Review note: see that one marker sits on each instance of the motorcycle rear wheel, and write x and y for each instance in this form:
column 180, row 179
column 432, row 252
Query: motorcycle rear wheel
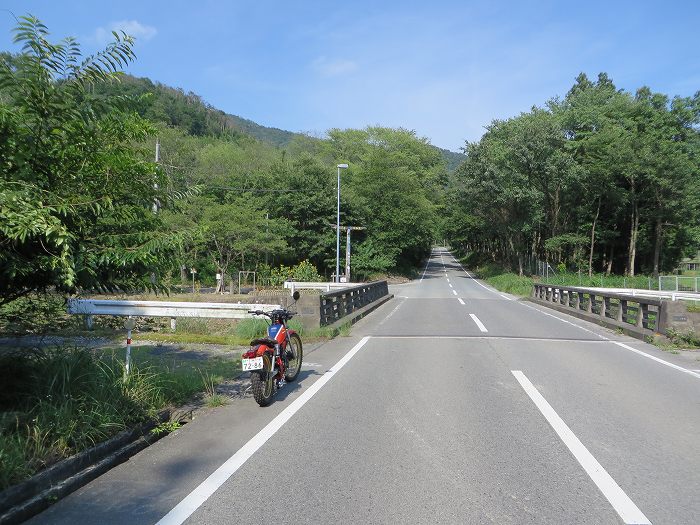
column 263, row 383
column 294, row 363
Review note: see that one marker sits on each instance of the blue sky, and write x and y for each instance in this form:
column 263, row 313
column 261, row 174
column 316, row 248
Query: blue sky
column 444, row 68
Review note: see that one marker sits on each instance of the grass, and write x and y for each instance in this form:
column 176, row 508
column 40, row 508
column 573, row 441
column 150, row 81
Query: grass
column 345, row 329
column 683, row 339
column 507, row 281
column 56, row 402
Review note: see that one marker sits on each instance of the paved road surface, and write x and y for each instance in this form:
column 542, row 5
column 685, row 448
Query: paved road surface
column 452, row 403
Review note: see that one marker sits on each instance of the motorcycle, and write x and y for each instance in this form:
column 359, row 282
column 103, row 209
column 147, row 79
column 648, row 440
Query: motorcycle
column 273, row 360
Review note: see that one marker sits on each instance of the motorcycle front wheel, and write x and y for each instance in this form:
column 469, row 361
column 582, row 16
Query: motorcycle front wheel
column 294, row 357
column 263, row 383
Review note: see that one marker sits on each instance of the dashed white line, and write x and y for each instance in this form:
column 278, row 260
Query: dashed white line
column 454, row 292
column 478, row 323
column 199, row 495
column 451, row 285
column 623, row 505
column 460, row 300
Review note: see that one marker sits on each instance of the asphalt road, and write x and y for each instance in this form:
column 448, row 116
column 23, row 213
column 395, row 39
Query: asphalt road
column 452, row 403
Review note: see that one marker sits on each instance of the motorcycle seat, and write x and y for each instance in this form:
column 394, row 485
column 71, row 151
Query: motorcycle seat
column 264, row 341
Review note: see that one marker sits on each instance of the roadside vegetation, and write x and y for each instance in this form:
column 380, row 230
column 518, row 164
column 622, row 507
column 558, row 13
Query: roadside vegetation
column 504, row 279
column 58, row 401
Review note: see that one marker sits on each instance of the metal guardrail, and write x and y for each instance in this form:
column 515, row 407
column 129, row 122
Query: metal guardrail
column 642, row 312
column 338, row 304
column 164, row 309
column 297, row 285
column 663, row 294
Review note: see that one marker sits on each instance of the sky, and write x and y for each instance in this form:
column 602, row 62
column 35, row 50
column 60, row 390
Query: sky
column 444, row 69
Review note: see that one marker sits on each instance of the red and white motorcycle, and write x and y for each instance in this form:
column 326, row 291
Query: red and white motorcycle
column 273, row 360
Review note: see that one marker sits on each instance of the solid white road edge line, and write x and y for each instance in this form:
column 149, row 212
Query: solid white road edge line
column 623, row 345
column 691, row 372
column 194, row 499
column 474, row 278
column 460, row 300
column 426, row 265
column 392, row 312
column 623, row 505
column 563, row 320
column 478, row 323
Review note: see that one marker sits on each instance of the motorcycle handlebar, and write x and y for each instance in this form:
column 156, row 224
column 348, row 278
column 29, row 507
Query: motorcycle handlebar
column 274, row 313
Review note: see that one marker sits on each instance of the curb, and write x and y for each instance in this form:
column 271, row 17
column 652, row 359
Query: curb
column 26, row 499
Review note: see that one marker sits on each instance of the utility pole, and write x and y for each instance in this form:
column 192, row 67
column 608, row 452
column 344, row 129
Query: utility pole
column 156, row 202
column 348, row 229
column 347, row 251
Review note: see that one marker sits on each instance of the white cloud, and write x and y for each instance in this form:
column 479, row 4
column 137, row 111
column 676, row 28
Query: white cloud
column 333, row 68
column 130, row 27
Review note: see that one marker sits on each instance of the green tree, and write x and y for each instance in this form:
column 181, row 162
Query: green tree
column 76, row 198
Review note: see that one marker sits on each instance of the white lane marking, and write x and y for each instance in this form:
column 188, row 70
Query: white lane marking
column 448, row 279
column 590, row 331
column 563, row 320
column 505, row 297
column 454, row 292
column 392, row 312
column 460, row 300
column 623, row 505
column 426, row 265
column 494, row 337
column 470, row 276
column 451, row 285
column 605, row 339
column 691, row 372
column 199, row 495
column 478, row 323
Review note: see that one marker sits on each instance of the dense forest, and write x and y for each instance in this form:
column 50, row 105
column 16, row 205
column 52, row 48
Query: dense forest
column 115, row 182
column 601, row 180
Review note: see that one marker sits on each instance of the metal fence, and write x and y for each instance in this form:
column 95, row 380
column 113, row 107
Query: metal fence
column 679, row 283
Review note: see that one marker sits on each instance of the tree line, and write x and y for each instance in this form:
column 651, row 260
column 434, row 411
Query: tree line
column 602, row 180
column 85, row 205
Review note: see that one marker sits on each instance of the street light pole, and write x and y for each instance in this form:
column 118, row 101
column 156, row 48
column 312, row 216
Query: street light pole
column 337, row 229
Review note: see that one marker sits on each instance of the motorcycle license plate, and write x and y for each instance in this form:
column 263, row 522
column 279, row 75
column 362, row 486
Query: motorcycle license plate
column 252, row 364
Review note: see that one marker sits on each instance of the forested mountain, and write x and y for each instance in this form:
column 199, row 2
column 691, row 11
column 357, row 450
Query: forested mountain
column 175, row 107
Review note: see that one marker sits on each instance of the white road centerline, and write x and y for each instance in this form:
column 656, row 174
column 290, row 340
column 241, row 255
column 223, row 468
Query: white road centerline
column 623, row 505
column 478, row 323
column 199, row 495
column 460, row 300
column 451, row 285
column 454, row 292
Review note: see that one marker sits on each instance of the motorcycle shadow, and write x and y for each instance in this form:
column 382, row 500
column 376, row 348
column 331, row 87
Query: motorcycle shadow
column 295, row 385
